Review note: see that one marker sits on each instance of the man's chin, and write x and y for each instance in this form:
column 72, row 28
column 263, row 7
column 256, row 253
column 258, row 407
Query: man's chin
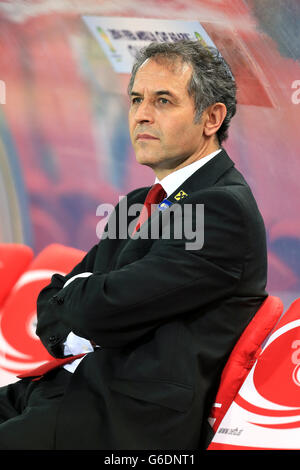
column 146, row 161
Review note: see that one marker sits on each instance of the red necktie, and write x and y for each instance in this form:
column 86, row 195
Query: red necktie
column 38, row 372
column 154, row 196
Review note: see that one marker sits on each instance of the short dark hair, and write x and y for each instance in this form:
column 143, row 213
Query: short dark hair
column 211, row 82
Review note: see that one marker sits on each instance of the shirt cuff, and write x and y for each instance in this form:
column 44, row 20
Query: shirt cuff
column 76, row 345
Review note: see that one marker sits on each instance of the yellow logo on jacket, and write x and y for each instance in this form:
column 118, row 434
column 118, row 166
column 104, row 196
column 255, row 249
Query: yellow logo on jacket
column 180, row 195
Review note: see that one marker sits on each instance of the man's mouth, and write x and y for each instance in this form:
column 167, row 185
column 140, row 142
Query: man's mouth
column 146, row 137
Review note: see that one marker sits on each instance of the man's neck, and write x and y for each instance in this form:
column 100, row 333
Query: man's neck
column 208, row 149
column 176, row 178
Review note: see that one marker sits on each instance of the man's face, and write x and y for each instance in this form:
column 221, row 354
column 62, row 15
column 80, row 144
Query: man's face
column 161, row 117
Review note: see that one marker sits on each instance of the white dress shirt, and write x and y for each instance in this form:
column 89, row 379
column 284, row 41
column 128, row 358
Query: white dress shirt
column 75, row 344
column 171, row 182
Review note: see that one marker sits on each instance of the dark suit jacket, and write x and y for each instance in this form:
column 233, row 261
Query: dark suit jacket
column 166, row 319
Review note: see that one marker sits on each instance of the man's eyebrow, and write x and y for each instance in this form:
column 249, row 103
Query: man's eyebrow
column 158, row 93
column 135, row 93
column 164, row 92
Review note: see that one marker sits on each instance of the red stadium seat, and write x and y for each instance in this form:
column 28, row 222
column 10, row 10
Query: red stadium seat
column 20, row 348
column 243, row 357
column 265, row 412
column 14, row 260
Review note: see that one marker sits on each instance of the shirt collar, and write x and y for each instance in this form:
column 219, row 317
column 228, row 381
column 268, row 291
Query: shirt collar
column 175, row 179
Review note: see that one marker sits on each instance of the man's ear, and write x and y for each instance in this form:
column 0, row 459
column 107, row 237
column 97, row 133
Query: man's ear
column 214, row 116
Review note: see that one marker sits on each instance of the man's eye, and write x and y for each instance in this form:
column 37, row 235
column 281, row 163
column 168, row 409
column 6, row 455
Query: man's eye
column 136, row 100
column 163, row 100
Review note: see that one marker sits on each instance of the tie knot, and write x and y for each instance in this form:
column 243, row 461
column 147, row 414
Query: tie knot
column 155, row 195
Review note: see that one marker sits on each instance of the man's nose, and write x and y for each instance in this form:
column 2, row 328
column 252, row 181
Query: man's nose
column 144, row 112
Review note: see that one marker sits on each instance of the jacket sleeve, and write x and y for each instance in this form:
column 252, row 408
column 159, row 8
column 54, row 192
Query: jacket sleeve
column 119, row 307
column 50, row 327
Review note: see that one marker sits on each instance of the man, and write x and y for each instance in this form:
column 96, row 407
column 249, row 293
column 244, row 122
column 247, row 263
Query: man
column 158, row 315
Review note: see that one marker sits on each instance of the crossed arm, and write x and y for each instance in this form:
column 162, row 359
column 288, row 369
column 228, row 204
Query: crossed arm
column 118, row 307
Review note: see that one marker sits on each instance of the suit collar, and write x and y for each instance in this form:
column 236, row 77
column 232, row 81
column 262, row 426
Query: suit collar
column 175, row 179
column 204, row 177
